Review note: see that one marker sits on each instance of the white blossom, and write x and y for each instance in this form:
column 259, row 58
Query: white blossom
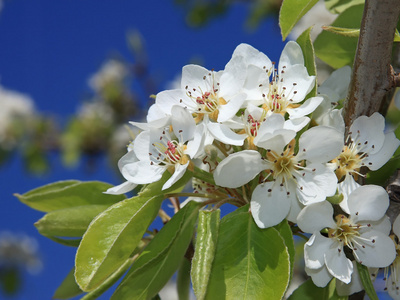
column 367, row 145
column 289, row 179
column 364, row 231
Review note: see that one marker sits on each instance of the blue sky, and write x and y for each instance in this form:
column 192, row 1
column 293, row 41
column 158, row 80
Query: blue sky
column 48, row 49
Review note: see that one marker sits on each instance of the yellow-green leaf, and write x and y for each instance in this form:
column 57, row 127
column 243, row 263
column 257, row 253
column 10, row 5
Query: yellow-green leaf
column 69, row 193
column 291, row 12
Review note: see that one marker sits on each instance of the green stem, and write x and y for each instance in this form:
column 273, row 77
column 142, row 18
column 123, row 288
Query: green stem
column 222, row 149
column 191, row 195
column 203, row 175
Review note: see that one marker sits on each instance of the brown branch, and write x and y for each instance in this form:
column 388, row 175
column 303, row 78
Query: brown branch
column 372, row 78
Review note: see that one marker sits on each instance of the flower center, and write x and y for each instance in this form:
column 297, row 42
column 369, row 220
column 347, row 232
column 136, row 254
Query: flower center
column 283, row 165
column 277, row 100
column 171, row 152
column 349, row 161
column 206, row 102
column 345, row 230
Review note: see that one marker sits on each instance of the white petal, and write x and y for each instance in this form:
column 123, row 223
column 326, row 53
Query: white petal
column 396, row 226
column 128, row 158
column 252, row 56
column 314, row 250
column 376, row 160
column 141, row 146
column 297, row 83
column 157, row 123
column 276, row 141
column 291, row 55
column 346, row 187
column 368, row 202
column 295, row 205
column 383, row 225
column 121, row 189
column 232, row 78
column 179, row 172
column 192, row 77
column 196, row 145
column 227, row 111
column 378, row 254
column 142, row 172
column 255, row 80
column 306, row 108
column 224, row 134
column 315, row 186
column 238, row 169
column 183, row 123
column 269, row 204
column 315, row 217
column 166, row 99
column 338, row 82
column 272, row 123
column 320, row 144
column 296, row 124
column 338, row 264
column 369, row 129
column 320, row 277
column 155, row 113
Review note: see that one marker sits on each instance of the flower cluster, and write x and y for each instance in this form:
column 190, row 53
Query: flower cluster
column 257, row 133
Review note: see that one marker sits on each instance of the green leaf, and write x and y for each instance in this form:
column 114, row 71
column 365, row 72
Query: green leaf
column 69, row 222
column 114, row 234
column 109, row 282
column 250, row 263
column 351, row 32
column 304, row 40
column 70, row 193
column 286, row 233
column 68, row 288
column 338, row 6
column 183, row 280
column 336, row 50
column 65, row 241
column 309, row 291
column 366, row 281
column 160, row 258
column 206, row 243
column 111, row 239
column 291, row 12
column 397, row 36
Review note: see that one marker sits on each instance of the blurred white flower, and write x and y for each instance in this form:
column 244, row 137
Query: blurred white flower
column 19, row 251
column 95, row 110
column 14, row 106
column 112, row 71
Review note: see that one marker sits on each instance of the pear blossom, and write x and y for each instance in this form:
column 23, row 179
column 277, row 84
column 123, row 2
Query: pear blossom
column 216, row 96
column 289, row 84
column 367, row 145
column 364, row 231
column 157, row 150
column 245, row 128
column 288, row 180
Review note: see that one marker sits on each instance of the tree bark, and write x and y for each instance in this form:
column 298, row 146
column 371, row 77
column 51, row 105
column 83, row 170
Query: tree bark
column 373, row 79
